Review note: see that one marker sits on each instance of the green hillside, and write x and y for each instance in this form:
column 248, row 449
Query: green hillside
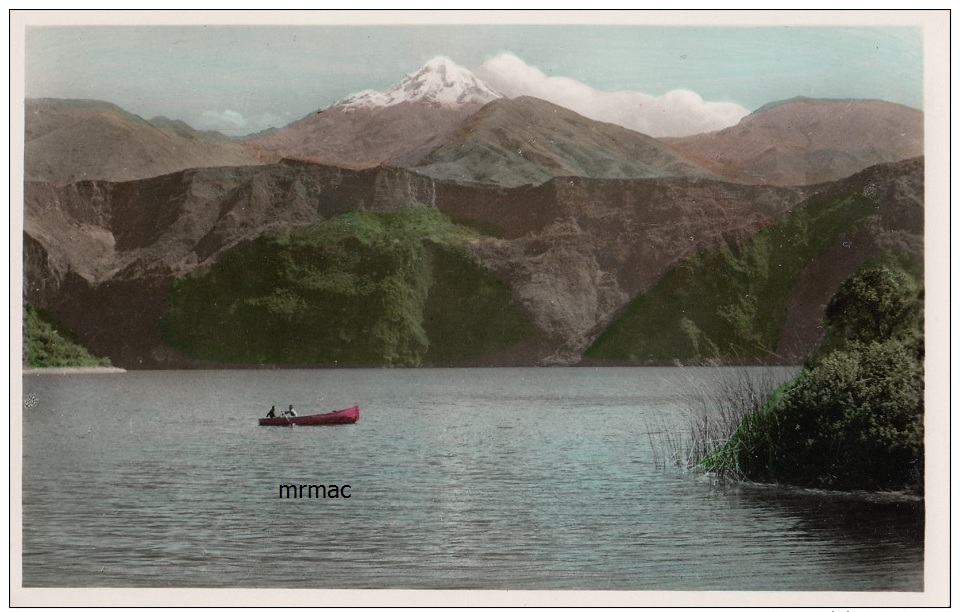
column 362, row 289
column 730, row 301
column 47, row 344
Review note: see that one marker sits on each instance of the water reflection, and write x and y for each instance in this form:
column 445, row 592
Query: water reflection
column 855, row 531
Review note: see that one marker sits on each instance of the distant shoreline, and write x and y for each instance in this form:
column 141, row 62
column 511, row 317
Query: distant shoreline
column 81, row 370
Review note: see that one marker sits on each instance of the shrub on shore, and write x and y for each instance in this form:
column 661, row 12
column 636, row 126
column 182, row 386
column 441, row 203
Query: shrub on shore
column 853, row 418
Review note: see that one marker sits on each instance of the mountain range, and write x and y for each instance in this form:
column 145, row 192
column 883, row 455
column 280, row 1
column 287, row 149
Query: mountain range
column 567, row 222
column 73, row 140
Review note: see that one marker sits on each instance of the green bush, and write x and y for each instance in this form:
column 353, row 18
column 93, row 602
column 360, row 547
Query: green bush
column 853, row 418
column 880, row 302
column 852, row 422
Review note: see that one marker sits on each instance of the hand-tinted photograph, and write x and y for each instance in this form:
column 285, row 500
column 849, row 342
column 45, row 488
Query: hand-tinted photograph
column 574, row 306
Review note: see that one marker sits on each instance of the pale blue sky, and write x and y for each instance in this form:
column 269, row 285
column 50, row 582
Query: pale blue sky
column 278, row 74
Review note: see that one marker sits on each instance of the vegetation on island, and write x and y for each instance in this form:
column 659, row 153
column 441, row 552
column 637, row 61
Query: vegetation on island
column 47, row 344
column 395, row 288
column 853, row 418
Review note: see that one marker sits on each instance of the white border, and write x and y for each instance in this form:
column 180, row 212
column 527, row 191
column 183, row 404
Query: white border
column 936, row 32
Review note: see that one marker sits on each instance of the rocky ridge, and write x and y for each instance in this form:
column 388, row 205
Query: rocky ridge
column 577, row 217
column 573, row 251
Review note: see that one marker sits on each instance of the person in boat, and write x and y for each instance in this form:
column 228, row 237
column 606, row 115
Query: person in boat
column 272, row 413
column 290, row 411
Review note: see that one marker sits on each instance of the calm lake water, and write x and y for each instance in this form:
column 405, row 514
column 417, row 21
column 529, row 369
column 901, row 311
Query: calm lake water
column 530, row 478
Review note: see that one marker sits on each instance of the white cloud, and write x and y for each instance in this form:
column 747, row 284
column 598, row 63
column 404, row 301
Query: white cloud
column 675, row 113
column 222, row 121
column 233, row 123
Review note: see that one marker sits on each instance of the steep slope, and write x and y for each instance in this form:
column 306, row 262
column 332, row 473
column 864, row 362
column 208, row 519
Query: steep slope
column 368, row 289
column 102, row 257
column 600, row 242
column 73, row 140
column 527, row 141
column 764, row 297
column 806, row 141
column 370, row 127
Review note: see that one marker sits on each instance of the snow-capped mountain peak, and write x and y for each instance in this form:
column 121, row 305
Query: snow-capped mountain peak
column 440, row 81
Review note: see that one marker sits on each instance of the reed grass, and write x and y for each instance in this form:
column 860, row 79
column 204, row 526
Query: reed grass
column 714, row 401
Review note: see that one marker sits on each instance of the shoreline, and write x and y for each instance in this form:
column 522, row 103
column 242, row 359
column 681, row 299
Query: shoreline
column 76, row 370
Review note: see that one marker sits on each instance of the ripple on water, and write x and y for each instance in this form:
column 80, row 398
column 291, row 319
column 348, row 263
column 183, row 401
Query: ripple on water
column 495, row 479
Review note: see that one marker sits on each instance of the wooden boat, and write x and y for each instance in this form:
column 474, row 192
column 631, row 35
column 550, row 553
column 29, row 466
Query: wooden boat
column 337, row 417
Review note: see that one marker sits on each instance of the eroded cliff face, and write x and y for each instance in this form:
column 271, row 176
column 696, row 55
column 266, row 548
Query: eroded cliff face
column 609, row 240
column 101, row 256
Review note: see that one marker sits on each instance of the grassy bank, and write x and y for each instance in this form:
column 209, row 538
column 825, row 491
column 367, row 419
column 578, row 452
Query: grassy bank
column 362, row 289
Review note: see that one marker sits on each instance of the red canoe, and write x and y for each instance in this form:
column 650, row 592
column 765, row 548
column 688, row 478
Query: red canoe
column 338, row 417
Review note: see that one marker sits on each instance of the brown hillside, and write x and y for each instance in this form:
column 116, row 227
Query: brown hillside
column 362, row 137
column 806, row 141
column 74, row 140
column 527, row 141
